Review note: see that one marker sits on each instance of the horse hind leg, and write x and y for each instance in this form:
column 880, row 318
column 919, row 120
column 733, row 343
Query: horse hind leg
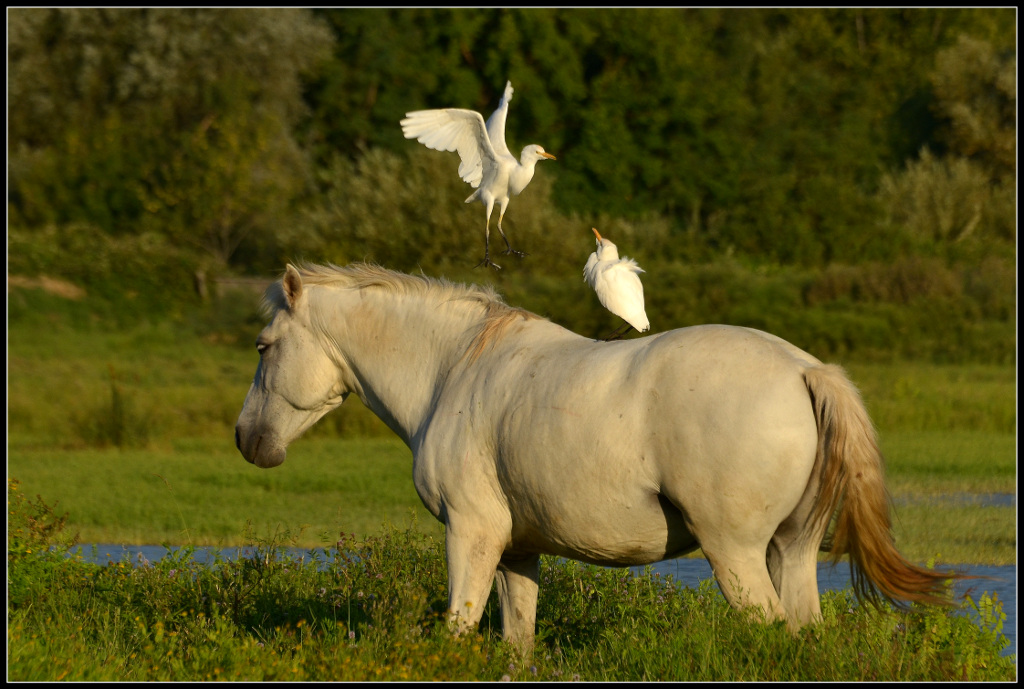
column 792, row 559
column 516, row 581
column 737, row 560
column 793, row 568
column 744, row 580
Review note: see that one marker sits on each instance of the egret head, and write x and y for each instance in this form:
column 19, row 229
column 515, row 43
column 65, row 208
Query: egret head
column 535, row 152
column 606, row 251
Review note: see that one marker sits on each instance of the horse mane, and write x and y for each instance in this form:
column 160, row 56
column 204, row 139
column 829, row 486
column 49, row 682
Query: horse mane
column 497, row 315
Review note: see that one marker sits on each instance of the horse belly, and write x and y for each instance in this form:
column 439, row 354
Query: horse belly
column 624, row 529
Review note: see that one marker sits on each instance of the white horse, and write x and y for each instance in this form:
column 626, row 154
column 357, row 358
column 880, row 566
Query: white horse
column 528, row 439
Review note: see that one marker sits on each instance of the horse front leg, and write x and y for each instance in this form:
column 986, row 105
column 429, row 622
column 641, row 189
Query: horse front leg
column 517, row 593
column 473, row 554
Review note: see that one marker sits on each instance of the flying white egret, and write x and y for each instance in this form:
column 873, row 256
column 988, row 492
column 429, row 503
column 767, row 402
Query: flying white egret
column 617, row 284
column 487, row 164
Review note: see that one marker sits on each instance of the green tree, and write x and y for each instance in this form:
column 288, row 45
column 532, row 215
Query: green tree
column 236, row 172
column 388, row 62
column 976, row 102
column 171, row 121
column 763, row 132
column 73, row 66
column 968, row 189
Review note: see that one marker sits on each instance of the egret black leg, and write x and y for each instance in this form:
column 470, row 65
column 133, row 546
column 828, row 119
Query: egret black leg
column 509, row 249
column 487, row 253
column 619, row 333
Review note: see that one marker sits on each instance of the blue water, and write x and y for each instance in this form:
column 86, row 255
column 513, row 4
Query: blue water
column 958, row 499
column 688, row 571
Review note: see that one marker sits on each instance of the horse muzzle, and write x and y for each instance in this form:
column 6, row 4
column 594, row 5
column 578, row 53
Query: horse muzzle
column 259, row 449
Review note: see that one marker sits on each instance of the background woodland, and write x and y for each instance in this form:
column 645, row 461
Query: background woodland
column 843, row 178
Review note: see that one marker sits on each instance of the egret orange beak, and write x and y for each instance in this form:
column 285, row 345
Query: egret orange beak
column 596, row 233
column 545, row 154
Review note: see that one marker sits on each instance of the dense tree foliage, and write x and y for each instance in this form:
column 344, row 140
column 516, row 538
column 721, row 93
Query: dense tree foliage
column 760, row 131
column 172, row 122
column 236, row 139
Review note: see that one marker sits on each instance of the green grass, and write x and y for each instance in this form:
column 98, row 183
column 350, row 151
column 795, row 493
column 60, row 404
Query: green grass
column 922, row 397
column 175, row 383
column 202, row 492
column 171, row 382
column 944, row 462
column 957, row 534
column 187, row 379
column 374, row 612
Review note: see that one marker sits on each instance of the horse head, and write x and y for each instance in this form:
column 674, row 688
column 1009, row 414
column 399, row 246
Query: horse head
column 299, row 378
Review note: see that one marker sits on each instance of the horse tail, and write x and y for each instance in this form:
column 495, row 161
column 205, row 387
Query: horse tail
column 852, row 481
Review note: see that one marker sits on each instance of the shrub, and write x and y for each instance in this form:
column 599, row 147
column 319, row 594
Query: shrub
column 126, row 279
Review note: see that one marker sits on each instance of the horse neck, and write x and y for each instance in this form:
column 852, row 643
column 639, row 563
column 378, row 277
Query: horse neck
column 399, row 348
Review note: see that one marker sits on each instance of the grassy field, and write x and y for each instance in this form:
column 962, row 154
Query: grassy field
column 131, row 434
column 188, row 380
column 131, row 431
column 202, row 492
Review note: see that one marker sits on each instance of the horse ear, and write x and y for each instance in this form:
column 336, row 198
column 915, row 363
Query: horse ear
column 292, row 284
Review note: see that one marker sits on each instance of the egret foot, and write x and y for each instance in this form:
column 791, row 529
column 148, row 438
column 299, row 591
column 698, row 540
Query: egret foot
column 618, row 333
column 508, row 247
column 488, row 262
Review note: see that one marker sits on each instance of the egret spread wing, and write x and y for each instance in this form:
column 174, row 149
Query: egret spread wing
column 496, row 123
column 453, row 129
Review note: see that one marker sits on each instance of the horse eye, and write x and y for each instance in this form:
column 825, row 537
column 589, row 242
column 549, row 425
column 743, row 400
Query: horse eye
column 260, row 347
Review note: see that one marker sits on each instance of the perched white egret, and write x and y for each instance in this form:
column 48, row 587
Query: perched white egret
column 486, row 162
column 617, row 284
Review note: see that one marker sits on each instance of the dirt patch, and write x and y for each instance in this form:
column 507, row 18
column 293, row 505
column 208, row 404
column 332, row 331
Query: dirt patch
column 60, row 288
